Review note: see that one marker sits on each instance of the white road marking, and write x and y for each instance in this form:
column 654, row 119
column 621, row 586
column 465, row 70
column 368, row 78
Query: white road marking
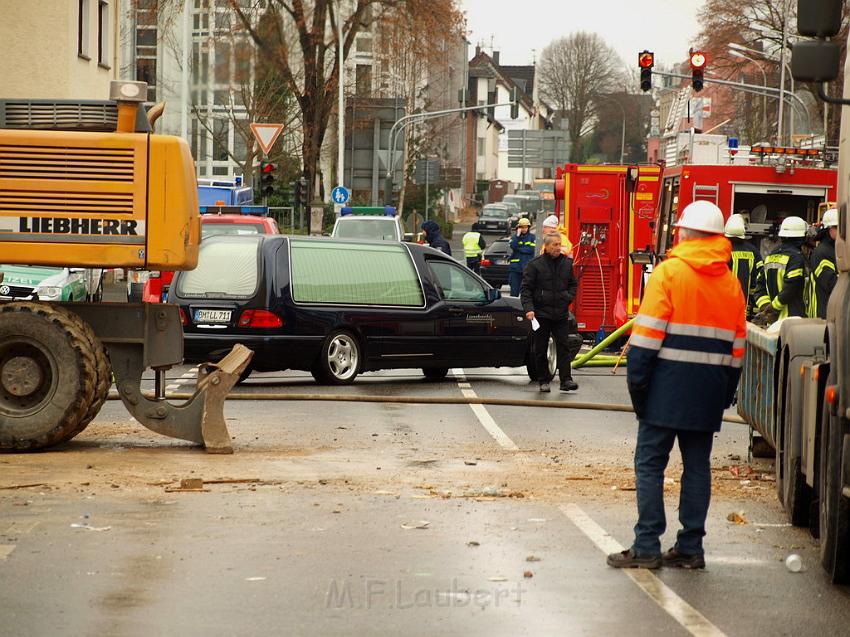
column 482, row 414
column 185, row 379
column 6, row 550
column 690, row 618
column 21, row 528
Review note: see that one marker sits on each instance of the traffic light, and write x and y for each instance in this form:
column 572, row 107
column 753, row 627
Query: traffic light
column 267, row 171
column 646, row 60
column 302, row 197
column 697, row 69
column 514, row 103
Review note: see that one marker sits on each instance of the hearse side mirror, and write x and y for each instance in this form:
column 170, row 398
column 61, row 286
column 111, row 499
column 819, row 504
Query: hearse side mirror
column 493, row 295
column 818, row 61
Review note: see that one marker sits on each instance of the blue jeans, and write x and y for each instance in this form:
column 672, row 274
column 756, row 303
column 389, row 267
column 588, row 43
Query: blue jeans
column 515, row 281
column 651, row 456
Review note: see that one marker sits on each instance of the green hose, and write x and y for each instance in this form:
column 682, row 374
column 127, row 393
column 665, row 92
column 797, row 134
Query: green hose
column 585, row 358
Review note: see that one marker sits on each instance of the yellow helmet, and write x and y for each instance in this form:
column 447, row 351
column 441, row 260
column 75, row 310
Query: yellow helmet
column 524, row 222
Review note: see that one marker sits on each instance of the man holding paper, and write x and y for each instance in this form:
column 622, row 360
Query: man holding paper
column 548, row 288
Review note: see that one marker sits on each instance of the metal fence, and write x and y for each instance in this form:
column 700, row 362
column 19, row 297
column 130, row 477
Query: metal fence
column 290, row 220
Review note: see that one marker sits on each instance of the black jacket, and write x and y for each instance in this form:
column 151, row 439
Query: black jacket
column 823, row 277
column 548, row 286
column 435, row 238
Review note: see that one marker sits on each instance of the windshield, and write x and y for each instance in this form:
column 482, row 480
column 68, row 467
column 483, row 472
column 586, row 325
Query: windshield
column 227, row 268
column 513, row 199
column 495, row 213
column 213, row 229
column 380, row 228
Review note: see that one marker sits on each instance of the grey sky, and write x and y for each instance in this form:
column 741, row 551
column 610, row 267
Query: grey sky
column 667, row 27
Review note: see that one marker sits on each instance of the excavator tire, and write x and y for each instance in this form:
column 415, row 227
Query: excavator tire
column 103, row 368
column 48, row 375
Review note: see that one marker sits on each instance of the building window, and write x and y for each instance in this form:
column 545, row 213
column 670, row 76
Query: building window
column 83, row 28
column 363, row 80
column 482, row 142
column 146, row 40
column 364, row 45
column 103, row 33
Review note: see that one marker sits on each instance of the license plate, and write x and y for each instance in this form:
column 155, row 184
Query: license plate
column 212, row 316
column 501, row 261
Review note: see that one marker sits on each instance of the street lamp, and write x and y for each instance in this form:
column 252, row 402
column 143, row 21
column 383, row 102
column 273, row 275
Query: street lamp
column 341, row 105
column 623, row 136
column 738, row 54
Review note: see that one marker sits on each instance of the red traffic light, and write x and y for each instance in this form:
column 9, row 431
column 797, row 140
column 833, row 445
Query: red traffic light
column 698, row 60
column 269, row 168
column 646, row 59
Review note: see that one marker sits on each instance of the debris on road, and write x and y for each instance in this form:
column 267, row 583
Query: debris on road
column 470, row 463
column 528, row 574
column 23, row 486
column 85, row 525
column 737, row 517
column 473, row 543
column 188, row 485
column 255, row 579
column 532, row 558
column 497, row 578
column 421, row 524
column 794, row 563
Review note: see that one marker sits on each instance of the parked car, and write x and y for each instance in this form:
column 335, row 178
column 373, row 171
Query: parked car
column 383, row 224
column 30, row 282
column 495, row 262
column 340, row 307
column 529, row 202
column 495, row 218
column 215, row 220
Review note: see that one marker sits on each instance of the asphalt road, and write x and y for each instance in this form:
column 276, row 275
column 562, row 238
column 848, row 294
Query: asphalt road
column 364, row 519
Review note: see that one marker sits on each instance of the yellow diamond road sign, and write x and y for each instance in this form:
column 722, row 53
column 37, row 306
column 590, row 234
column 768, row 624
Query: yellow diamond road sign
column 266, row 135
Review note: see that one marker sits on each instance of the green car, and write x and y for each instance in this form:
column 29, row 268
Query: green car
column 43, row 283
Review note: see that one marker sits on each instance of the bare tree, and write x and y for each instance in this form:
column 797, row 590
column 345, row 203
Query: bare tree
column 302, row 36
column 573, row 71
column 416, row 40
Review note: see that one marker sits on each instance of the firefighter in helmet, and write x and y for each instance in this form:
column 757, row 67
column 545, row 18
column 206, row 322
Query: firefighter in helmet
column 746, row 263
column 785, row 273
column 823, row 276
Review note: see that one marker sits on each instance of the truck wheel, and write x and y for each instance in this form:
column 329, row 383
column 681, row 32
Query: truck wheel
column 435, row 373
column 834, row 507
column 760, row 448
column 340, row 359
column 103, row 369
column 794, row 492
column 551, row 358
column 47, row 376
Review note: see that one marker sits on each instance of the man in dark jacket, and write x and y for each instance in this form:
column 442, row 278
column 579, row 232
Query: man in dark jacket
column 435, row 238
column 548, row 288
column 823, row 277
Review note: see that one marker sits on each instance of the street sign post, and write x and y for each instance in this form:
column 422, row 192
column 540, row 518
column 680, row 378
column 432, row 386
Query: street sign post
column 340, row 195
column 266, row 135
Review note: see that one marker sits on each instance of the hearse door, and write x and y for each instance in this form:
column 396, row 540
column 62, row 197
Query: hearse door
column 466, row 325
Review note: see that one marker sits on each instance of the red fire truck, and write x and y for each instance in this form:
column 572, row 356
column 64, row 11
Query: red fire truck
column 609, row 214
column 766, row 185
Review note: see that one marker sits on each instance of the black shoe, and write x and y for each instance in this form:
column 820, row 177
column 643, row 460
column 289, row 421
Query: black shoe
column 682, row 560
column 630, row 559
column 544, row 388
column 569, row 385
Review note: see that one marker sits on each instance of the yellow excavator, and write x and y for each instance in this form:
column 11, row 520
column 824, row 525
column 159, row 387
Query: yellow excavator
column 87, row 184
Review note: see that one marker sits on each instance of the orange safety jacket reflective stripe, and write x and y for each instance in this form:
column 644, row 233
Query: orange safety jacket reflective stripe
column 687, row 345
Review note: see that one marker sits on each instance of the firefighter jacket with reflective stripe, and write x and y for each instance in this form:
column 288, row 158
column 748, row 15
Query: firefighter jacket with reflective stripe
column 785, row 274
column 747, row 265
column 522, row 247
column 823, row 277
column 687, row 344
column 473, row 244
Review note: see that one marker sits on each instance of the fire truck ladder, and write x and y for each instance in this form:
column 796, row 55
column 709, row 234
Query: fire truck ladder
column 707, row 193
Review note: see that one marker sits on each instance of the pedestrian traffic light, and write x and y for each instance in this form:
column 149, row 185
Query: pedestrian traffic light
column 697, row 69
column 301, row 195
column 514, row 103
column 646, row 60
column 267, row 175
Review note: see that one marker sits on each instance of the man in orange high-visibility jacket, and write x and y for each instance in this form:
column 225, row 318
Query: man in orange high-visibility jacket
column 687, row 347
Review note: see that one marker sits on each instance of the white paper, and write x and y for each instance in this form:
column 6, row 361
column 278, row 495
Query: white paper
column 535, row 325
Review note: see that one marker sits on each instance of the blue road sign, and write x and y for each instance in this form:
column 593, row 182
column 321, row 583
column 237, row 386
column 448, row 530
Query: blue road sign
column 340, row 195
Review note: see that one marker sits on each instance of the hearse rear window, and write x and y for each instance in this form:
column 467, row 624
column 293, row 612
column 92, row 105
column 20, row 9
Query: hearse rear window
column 227, row 268
column 353, row 274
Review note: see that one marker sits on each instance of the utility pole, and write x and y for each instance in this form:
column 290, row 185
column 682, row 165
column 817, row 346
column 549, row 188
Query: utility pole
column 341, row 105
column 780, row 123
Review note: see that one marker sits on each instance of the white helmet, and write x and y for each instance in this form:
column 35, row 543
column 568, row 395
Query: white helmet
column 793, row 227
column 735, row 227
column 703, row 216
column 551, row 221
column 830, row 218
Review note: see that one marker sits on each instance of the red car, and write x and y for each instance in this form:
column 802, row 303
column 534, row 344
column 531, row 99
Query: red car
column 215, row 220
